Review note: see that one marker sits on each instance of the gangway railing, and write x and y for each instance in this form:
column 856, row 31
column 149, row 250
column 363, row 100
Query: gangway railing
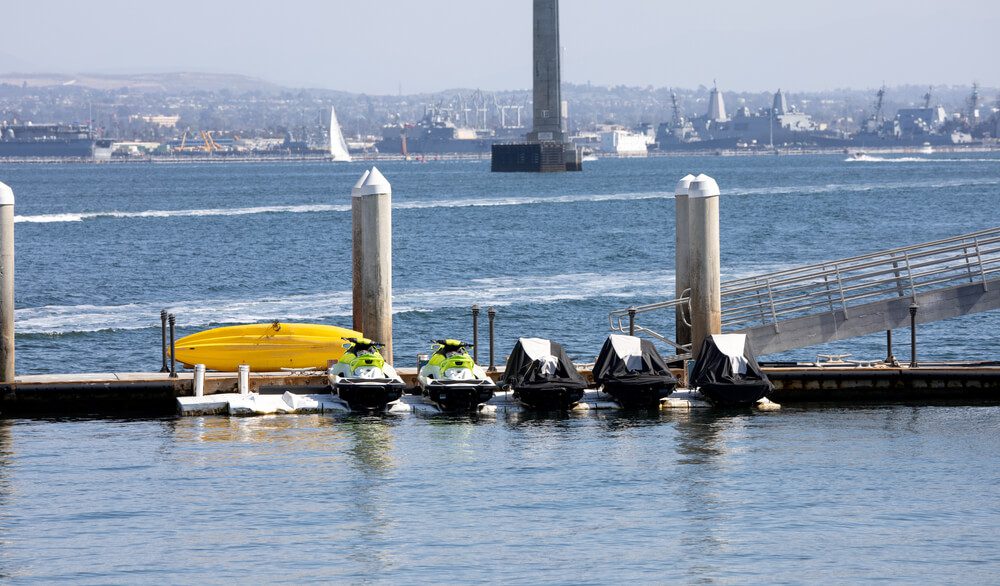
column 844, row 285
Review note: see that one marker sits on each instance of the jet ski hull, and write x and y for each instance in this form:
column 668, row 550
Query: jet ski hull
column 639, row 395
column 735, row 394
column 549, row 398
column 366, row 395
column 459, row 395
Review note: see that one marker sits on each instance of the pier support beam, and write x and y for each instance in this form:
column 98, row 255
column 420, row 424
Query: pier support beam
column 682, row 331
column 6, row 284
column 704, row 270
column 371, row 207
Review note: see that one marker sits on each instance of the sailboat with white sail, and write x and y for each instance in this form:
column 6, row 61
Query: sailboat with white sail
column 338, row 146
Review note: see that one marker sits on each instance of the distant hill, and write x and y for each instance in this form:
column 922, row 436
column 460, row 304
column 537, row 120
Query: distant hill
column 179, row 82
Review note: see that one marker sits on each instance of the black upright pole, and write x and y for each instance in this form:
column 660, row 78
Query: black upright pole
column 475, row 333
column 163, row 340
column 631, row 321
column 173, row 347
column 913, row 335
column 889, row 358
column 491, row 313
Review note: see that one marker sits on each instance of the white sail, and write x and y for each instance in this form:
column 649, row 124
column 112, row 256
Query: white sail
column 338, row 146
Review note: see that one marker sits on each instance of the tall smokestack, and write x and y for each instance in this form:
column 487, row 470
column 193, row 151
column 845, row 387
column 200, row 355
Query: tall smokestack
column 547, row 95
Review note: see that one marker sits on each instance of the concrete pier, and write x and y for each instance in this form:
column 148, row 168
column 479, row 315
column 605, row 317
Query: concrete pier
column 546, row 148
column 546, row 78
column 704, row 270
column 6, row 283
column 371, row 205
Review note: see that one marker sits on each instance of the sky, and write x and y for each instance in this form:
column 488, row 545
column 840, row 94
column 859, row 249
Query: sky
column 410, row 46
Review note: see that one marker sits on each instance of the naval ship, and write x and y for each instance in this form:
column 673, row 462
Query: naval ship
column 46, row 140
column 436, row 132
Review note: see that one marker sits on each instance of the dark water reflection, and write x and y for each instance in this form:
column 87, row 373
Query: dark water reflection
column 828, row 494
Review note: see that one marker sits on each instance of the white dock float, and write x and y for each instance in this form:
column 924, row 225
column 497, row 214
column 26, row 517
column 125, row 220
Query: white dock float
column 503, row 402
column 594, row 399
column 257, row 404
column 692, row 399
column 414, row 404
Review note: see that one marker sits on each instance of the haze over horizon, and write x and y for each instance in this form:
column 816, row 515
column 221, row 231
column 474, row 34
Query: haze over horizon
column 394, row 46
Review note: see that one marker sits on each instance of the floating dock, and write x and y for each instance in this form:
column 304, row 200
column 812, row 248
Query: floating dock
column 155, row 393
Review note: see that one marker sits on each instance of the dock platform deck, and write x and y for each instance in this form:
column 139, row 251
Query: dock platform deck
column 156, row 393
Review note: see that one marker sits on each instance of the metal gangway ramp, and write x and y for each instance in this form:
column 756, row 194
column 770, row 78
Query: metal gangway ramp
column 850, row 297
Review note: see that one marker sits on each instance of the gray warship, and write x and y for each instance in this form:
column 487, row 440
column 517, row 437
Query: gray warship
column 46, row 140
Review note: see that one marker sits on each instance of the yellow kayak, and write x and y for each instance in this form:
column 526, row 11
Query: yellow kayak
column 265, row 347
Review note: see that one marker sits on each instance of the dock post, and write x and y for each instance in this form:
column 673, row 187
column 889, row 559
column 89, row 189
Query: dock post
column 913, row 335
column 491, row 313
column 163, row 340
column 475, row 333
column 682, row 331
column 173, row 346
column 371, row 206
column 703, row 261
column 356, row 250
column 889, row 358
column 631, row 321
column 6, row 284
column 243, row 380
column 199, row 380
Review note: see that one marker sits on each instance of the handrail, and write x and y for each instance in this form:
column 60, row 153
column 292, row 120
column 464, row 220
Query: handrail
column 836, row 286
column 892, row 251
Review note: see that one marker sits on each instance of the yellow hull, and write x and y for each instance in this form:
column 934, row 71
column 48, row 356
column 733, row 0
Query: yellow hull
column 265, row 347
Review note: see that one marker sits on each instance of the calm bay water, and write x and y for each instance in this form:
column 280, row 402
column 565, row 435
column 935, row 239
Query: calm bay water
column 838, row 494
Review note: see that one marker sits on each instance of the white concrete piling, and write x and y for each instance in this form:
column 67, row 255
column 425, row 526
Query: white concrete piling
column 243, row 382
column 199, row 380
column 704, row 269
column 6, row 284
column 356, row 251
column 682, row 331
column 371, row 206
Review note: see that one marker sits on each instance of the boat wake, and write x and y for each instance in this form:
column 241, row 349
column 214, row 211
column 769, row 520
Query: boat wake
column 874, row 159
column 83, row 216
column 325, row 208
column 486, row 202
column 498, row 291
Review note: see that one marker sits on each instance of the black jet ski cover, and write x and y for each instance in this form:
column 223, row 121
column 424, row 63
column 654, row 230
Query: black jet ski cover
column 540, row 364
column 727, row 370
column 632, row 361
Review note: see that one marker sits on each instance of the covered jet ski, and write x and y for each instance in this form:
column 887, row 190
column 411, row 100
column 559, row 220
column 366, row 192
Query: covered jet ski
column 363, row 378
column 542, row 375
column 727, row 372
column 453, row 380
column 633, row 372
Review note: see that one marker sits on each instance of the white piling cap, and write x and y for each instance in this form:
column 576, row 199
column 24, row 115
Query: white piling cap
column 356, row 190
column 6, row 195
column 374, row 183
column 703, row 186
column 684, row 184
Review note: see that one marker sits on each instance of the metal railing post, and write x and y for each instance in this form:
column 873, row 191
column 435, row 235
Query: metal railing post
column 491, row 314
column 173, row 346
column 913, row 335
column 982, row 272
column 631, row 321
column 163, row 340
column 475, row 333
column 889, row 358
